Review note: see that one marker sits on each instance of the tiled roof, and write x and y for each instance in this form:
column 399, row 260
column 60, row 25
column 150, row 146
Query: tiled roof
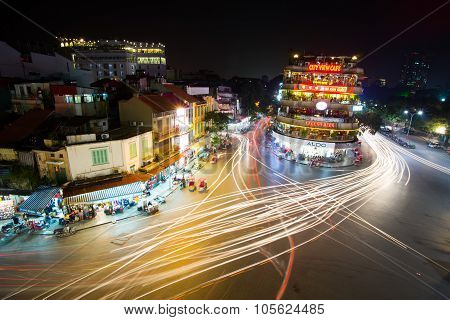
column 24, row 127
column 181, row 94
column 161, row 103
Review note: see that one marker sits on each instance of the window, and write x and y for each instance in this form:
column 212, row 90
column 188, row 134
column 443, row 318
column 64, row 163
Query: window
column 52, row 155
column 77, row 99
column 61, row 156
column 145, row 147
column 133, row 151
column 99, row 156
column 68, row 99
column 121, row 66
column 88, row 98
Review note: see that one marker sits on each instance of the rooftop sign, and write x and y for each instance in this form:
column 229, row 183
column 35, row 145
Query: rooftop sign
column 328, row 68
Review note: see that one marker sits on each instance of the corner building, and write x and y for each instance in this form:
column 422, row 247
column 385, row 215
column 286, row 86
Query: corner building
column 316, row 119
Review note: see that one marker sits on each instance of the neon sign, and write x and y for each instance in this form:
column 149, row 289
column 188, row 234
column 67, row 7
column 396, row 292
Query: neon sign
column 331, row 89
column 321, row 124
column 329, row 68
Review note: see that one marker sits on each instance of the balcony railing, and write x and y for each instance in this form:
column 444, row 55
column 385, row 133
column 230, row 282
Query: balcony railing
column 315, row 136
column 161, row 136
column 318, row 124
column 312, row 104
column 344, row 70
column 334, row 89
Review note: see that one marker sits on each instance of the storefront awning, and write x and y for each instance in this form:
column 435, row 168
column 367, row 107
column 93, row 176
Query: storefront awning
column 120, row 191
column 39, row 200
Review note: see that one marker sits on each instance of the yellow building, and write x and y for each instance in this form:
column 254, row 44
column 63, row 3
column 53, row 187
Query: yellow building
column 8, row 154
column 53, row 163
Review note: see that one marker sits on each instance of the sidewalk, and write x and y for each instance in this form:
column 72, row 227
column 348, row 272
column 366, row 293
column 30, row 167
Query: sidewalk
column 163, row 189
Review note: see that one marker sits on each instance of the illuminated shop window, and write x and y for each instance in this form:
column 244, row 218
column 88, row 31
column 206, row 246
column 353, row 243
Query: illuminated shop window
column 68, row 99
column 148, row 60
column 88, row 98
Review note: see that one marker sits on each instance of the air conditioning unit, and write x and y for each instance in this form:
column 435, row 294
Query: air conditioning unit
column 105, row 136
column 141, row 123
column 133, row 123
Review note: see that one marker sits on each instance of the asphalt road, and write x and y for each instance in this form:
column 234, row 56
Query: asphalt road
column 266, row 229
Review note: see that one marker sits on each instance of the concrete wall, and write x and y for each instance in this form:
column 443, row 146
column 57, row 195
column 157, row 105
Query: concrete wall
column 80, row 159
column 119, row 157
column 135, row 110
column 41, row 65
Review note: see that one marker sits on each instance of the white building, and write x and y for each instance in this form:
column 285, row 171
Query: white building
column 117, row 59
column 38, row 66
column 123, row 151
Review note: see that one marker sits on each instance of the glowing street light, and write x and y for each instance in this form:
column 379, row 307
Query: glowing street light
column 296, row 56
column 420, row 112
column 441, row 130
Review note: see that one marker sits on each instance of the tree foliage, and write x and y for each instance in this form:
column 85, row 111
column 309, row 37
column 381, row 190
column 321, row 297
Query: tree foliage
column 219, row 121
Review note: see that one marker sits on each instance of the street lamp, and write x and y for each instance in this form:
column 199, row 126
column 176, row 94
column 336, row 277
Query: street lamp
column 420, row 112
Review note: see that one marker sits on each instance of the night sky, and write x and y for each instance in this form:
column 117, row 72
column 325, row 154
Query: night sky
column 251, row 39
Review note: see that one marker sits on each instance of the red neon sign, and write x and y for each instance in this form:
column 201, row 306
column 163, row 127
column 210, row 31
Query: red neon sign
column 321, row 124
column 331, row 89
column 329, row 68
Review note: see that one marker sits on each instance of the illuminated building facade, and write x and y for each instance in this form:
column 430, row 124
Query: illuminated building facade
column 116, row 59
column 319, row 97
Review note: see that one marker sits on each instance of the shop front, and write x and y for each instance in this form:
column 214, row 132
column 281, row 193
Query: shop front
column 44, row 200
column 305, row 150
column 8, row 204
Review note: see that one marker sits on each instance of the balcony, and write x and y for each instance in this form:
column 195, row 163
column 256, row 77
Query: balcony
column 161, row 136
column 312, row 104
column 318, row 124
column 359, row 71
column 324, row 88
column 316, row 136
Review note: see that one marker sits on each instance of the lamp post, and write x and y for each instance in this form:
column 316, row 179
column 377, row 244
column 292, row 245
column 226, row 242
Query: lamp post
column 420, row 112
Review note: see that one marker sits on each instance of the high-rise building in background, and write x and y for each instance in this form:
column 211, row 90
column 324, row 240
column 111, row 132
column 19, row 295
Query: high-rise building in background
column 415, row 71
column 117, row 59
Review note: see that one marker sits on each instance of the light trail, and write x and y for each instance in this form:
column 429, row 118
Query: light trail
column 221, row 236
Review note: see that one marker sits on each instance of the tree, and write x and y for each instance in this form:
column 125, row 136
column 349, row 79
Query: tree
column 434, row 123
column 218, row 120
column 371, row 118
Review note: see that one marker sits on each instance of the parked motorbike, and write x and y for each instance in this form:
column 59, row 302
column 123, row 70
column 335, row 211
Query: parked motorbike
column 152, row 209
column 160, row 199
column 37, row 226
column 64, row 232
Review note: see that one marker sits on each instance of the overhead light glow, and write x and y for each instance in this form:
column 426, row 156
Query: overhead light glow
column 321, row 105
column 440, row 130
